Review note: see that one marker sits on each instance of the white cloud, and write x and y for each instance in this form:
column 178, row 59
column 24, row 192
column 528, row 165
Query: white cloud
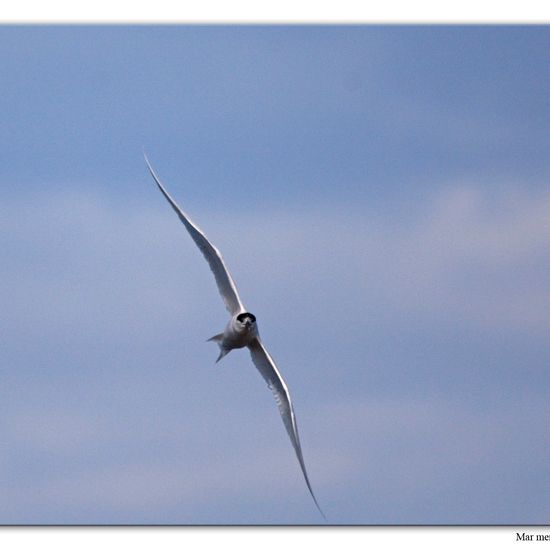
column 482, row 257
column 104, row 308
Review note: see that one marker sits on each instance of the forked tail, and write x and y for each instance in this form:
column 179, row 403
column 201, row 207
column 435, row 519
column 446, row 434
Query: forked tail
column 218, row 338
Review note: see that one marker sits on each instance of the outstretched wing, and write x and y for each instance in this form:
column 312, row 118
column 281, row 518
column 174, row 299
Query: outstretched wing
column 265, row 364
column 225, row 282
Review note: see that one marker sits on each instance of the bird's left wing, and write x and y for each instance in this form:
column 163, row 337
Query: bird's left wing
column 265, row 364
column 225, row 282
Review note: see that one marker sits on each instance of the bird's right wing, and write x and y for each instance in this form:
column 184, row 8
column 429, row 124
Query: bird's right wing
column 265, row 364
column 225, row 282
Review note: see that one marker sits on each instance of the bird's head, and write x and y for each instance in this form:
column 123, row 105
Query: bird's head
column 246, row 320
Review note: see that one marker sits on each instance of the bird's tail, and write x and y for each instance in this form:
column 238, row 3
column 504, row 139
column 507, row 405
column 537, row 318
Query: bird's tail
column 218, row 338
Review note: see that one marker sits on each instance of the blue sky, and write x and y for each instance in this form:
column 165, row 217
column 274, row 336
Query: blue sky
column 381, row 197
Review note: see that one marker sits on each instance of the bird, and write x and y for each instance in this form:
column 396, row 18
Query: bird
column 242, row 329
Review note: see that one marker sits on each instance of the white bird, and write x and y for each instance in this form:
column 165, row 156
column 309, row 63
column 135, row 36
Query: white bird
column 242, row 330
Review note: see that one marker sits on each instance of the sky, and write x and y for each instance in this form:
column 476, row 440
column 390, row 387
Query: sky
column 381, row 195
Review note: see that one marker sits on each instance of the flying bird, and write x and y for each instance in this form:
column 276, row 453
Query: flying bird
column 242, row 329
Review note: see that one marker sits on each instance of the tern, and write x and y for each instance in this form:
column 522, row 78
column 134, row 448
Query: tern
column 242, row 329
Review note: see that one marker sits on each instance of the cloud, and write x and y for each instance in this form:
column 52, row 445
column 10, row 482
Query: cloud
column 464, row 251
column 439, row 460
column 113, row 411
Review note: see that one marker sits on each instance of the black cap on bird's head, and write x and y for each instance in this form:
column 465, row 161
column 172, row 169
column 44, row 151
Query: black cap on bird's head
column 246, row 318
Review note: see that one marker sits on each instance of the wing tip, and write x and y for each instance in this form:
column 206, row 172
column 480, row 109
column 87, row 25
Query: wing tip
column 146, row 158
column 319, row 508
column 159, row 184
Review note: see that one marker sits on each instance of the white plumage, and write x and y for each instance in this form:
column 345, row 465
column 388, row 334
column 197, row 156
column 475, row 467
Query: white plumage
column 242, row 330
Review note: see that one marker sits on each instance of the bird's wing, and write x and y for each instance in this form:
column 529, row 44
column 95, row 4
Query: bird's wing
column 225, row 282
column 265, row 364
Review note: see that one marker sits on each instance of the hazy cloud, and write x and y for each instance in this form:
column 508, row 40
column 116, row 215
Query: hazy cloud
column 120, row 412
